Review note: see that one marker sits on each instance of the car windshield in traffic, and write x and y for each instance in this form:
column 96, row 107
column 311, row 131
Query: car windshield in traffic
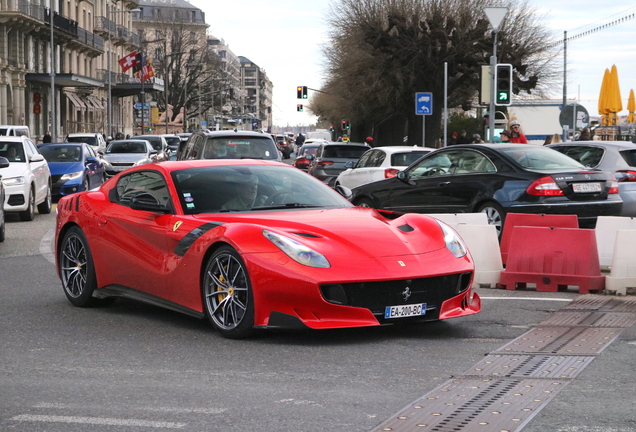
column 239, row 148
column 154, row 141
column 61, row 153
column 126, row 147
column 91, row 140
column 343, row 151
column 541, row 158
column 251, row 188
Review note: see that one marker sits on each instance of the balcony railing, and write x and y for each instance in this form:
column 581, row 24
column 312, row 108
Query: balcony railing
column 104, row 24
column 89, row 38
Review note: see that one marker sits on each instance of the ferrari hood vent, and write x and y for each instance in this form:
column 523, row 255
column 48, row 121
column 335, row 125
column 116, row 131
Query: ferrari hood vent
column 303, row 234
column 406, row 228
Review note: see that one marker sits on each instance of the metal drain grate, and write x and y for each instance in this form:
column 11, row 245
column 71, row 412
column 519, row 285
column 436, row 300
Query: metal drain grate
column 529, row 366
column 590, row 319
column 602, row 303
column 562, row 340
column 475, row 405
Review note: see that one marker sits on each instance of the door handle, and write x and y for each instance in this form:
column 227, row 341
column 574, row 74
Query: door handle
column 444, row 183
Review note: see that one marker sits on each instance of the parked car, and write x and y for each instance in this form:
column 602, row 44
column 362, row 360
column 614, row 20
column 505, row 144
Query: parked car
column 618, row 157
column 94, row 139
column 379, row 163
column 27, row 179
column 229, row 144
column 496, row 179
column 159, row 143
column 4, row 163
column 14, row 130
column 74, row 167
column 284, row 145
column 308, row 148
column 331, row 157
column 284, row 264
column 123, row 154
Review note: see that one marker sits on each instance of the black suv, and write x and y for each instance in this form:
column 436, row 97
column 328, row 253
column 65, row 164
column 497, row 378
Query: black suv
column 229, row 144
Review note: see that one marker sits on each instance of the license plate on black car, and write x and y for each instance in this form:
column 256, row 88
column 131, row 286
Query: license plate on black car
column 586, row 187
column 404, row 311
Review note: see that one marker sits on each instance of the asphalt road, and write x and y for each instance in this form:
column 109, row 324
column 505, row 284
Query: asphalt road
column 132, row 367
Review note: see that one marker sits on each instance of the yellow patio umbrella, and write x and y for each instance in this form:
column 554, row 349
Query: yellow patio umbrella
column 614, row 101
column 631, row 107
column 602, row 98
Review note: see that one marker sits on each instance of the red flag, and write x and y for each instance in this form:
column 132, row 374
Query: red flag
column 129, row 61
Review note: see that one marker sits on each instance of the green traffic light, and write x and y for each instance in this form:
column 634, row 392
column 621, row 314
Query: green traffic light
column 503, row 96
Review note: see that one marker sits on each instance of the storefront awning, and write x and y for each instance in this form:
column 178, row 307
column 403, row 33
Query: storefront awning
column 75, row 100
column 98, row 103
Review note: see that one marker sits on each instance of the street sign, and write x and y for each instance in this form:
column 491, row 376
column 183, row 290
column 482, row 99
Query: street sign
column 204, row 124
column 424, row 103
column 138, row 106
column 566, row 118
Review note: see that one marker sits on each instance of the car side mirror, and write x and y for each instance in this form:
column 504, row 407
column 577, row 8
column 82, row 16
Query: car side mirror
column 344, row 191
column 148, row 202
column 401, row 175
column 4, row 162
column 36, row 158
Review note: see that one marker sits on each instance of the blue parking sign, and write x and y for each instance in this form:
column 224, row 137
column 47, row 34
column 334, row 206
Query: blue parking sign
column 424, row 103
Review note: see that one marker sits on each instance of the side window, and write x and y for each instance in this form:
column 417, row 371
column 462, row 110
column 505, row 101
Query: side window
column 377, row 159
column 151, row 182
column 364, row 160
column 443, row 163
column 473, row 162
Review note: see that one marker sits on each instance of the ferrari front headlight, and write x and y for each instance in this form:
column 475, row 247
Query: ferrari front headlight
column 453, row 242
column 71, row 176
column 297, row 251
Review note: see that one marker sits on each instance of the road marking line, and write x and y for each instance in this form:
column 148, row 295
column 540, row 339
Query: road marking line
column 97, row 421
column 152, row 409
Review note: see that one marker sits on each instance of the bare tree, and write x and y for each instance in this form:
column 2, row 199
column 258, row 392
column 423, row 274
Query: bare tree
column 390, row 49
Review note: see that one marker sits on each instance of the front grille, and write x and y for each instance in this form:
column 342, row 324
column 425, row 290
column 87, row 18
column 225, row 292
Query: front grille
column 122, row 164
column 376, row 296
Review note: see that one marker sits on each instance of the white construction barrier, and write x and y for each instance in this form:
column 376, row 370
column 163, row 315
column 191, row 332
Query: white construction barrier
column 605, row 231
column 466, row 218
column 483, row 243
column 623, row 272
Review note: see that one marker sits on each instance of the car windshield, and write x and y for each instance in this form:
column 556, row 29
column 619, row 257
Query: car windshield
column 541, row 158
column 343, row 151
column 13, row 151
column 251, row 189
column 126, row 147
column 173, row 141
column 587, row 155
column 155, row 142
column 309, row 150
column 405, row 159
column 91, row 140
column 238, row 147
column 61, row 153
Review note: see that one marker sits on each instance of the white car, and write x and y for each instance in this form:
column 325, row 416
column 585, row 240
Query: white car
column 27, row 179
column 379, row 163
column 123, row 154
column 94, row 139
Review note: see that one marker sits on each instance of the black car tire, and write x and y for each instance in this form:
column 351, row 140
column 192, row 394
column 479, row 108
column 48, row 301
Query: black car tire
column 45, row 206
column 29, row 214
column 365, row 202
column 2, row 231
column 77, row 269
column 227, row 294
column 86, row 184
column 495, row 214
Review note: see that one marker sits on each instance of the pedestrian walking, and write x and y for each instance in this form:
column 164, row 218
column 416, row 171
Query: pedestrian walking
column 47, row 137
column 515, row 133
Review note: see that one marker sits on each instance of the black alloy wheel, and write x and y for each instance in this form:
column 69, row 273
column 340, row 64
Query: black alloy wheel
column 77, row 269
column 45, row 206
column 29, row 214
column 227, row 294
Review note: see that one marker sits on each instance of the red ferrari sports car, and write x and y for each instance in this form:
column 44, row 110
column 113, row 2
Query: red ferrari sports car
column 257, row 244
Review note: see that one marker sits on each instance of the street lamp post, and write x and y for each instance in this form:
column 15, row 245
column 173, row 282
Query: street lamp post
column 52, row 74
column 495, row 16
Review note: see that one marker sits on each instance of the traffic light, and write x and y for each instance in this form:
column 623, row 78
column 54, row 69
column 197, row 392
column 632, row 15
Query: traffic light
column 304, row 92
column 331, row 129
column 299, row 92
column 503, row 84
column 345, row 125
column 299, row 107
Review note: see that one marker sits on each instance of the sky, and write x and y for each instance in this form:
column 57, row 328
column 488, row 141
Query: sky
column 286, row 39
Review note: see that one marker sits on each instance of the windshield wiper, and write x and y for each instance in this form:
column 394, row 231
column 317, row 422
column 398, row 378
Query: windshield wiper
column 287, row 205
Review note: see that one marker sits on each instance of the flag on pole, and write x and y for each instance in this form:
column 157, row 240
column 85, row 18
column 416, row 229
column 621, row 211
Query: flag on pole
column 143, row 68
column 129, row 61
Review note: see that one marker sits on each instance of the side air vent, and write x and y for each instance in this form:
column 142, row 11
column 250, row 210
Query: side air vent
column 302, row 234
column 406, row 228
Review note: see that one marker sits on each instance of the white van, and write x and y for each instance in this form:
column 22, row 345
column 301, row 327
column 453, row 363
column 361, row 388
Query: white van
column 11, row 130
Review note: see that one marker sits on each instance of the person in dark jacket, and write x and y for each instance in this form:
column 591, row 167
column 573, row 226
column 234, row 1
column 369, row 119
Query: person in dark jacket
column 47, row 137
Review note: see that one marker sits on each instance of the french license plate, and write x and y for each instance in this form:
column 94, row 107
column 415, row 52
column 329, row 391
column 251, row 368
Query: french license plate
column 405, row 311
column 586, row 187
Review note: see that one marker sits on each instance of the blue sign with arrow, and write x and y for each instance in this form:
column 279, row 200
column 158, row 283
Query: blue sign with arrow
column 424, row 103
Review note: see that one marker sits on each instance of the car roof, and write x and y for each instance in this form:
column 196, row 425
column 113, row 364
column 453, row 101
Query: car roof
column 84, row 134
column 21, row 138
column 332, row 143
column 232, row 132
column 65, row 144
column 129, row 140
column 201, row 163
column 395, row 149
column 617, row 144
